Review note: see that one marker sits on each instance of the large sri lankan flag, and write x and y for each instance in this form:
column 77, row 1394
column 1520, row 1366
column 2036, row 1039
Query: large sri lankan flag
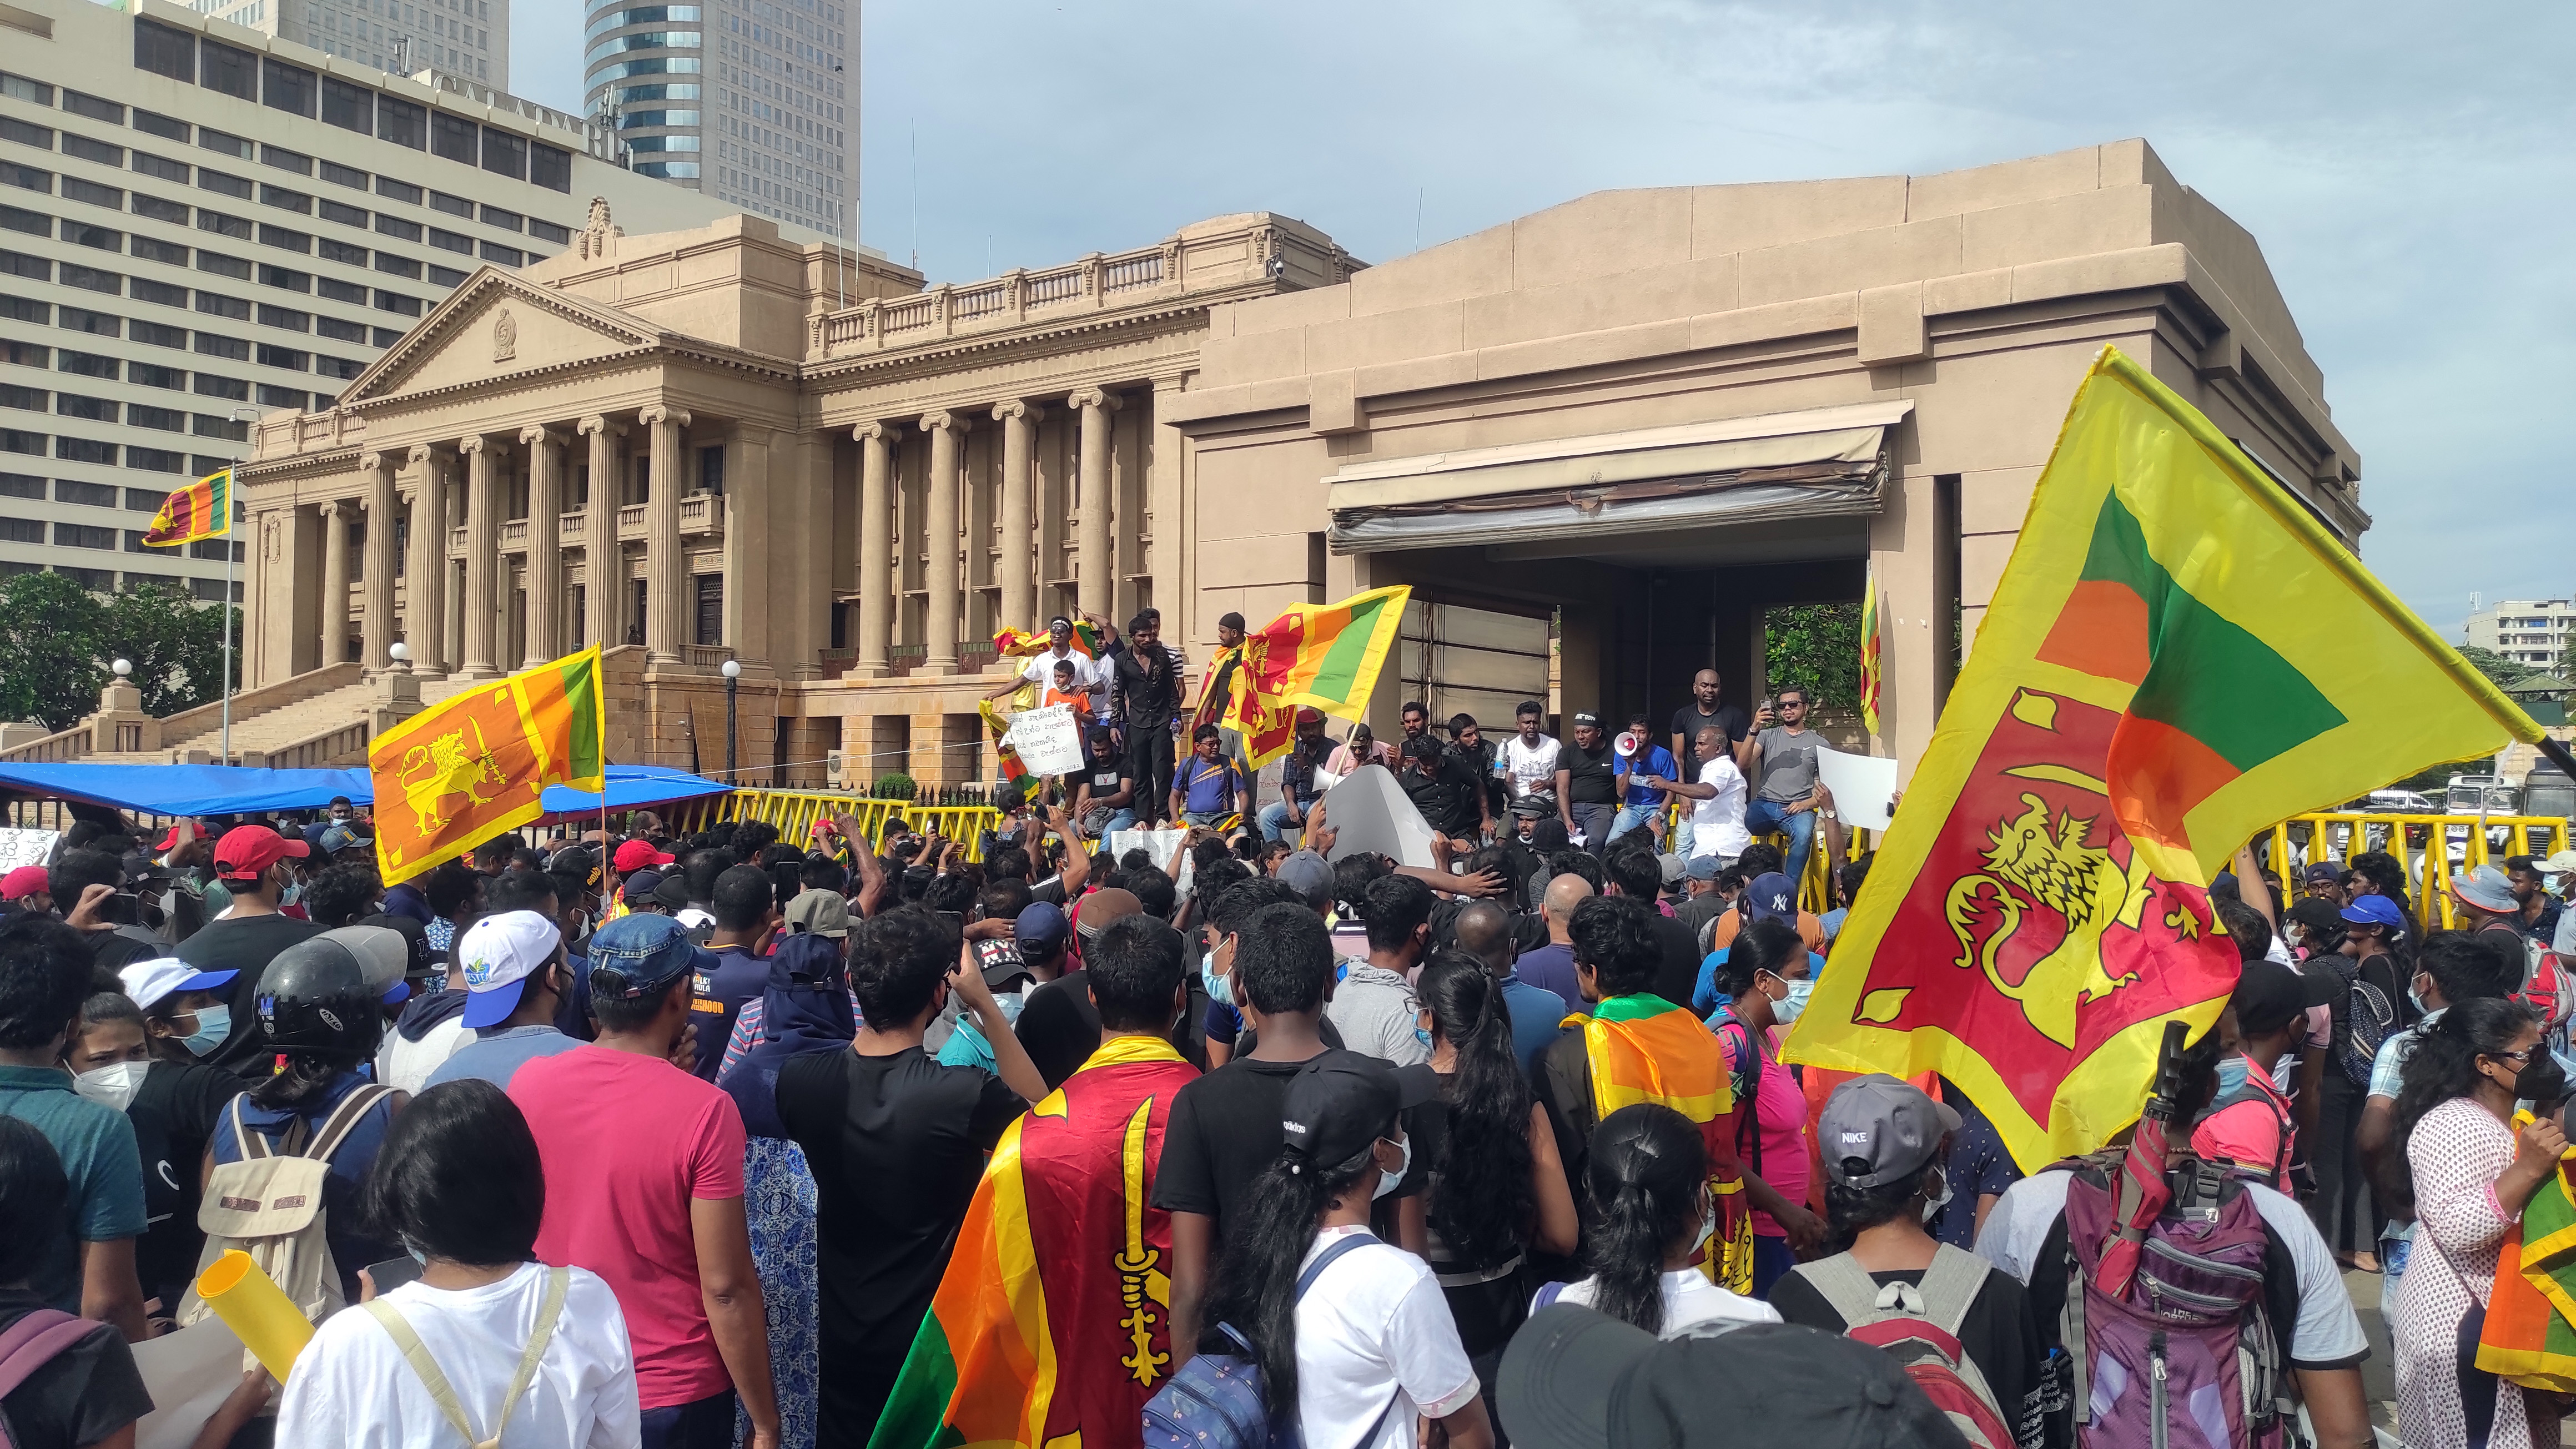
column 203, row 509
column 476, row 764
column 2176, row 656
column 1325, row 655
column 1052, row 1324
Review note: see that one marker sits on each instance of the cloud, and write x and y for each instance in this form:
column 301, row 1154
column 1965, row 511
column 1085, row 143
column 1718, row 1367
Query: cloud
column 2405, row 168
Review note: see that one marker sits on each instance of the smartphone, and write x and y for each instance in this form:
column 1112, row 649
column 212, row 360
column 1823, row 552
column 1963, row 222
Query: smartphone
column 954, row 918
column 392, row 1273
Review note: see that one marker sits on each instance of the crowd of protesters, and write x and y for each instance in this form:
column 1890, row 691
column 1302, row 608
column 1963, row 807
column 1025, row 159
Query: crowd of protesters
column 665, row 1138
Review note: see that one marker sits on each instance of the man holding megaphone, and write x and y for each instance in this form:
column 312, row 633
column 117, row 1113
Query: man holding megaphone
column 1640, row 760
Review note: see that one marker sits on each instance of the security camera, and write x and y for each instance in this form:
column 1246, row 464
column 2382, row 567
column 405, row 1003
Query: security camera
column 1278, row 266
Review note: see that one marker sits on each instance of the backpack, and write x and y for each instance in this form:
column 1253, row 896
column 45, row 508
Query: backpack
column 2191, row 1344
column 432, row 1378
column 2369, row 1016
column 268, row 1203
column 35, row 1340
column 1214, row 1402
column 1919, row 1328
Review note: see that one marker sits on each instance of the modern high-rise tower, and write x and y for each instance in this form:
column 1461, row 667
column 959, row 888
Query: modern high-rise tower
column 466, row 38
column 754, row 102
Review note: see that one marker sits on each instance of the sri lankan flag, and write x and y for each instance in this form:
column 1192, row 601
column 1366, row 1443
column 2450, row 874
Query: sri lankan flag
column 475, row 764
column 203, row 509
column 1325, row 655
column 997, row 725
column 1873, row 644
column 2177, row 656
column 1052, row 1323
column 1020, row 643
column 2530, row 1333
column 1643, row 1048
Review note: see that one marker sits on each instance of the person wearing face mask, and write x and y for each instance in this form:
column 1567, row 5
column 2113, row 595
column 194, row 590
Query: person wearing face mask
column 2252, row 1129
column 252, row 862
column 171, row 1016
column 1647, row 1185
column 2473, row 1170
column 1765, row 978
column 1886, row 1176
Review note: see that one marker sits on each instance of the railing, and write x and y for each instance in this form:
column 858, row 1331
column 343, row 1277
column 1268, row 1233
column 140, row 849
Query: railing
column 1132, row 270
column 702, row 513
column 331, row 746
column 705, row 656
column 909, row 315
column 795, row 811
column 2295, row 843
column 514, row 533
column 189, row 724
column 456, row 541
column 1055, row 285
column 573, row 527
column 630, row 520
column 53, row 749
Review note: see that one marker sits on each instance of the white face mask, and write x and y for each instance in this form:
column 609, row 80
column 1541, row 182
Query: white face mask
column 1932, row 1205
column 111, row 1086
column 1386, row 1181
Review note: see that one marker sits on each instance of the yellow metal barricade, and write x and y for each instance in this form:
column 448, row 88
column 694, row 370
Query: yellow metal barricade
column 2422, row 844
column 795, row 811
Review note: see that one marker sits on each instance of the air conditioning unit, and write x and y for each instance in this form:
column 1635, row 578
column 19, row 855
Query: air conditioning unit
column 832, row 769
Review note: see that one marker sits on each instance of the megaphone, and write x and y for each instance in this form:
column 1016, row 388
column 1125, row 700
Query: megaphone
column 1627, row 745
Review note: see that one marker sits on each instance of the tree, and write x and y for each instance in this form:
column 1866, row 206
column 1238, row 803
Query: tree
column 175, row 645
column 57, row 640
column 1816, row 646
column 2506, row 673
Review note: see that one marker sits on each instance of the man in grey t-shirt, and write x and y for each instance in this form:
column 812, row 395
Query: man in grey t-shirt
column 1791, row 795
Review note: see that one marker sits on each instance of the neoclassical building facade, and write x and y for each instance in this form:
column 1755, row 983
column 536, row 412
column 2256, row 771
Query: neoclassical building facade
column 1600, row 441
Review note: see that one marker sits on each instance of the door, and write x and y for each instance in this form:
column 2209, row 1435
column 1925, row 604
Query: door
column 1460, row 660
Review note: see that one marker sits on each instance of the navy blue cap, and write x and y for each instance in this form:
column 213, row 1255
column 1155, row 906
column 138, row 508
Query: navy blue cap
column 638, row 955
column 1041, row 930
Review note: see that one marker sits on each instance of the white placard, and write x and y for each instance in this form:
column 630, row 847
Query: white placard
column 1162, row 845
column 1049, row 739
column 1861, row 786
column 26, row 847
column 189, row 1374
column 1369, row 811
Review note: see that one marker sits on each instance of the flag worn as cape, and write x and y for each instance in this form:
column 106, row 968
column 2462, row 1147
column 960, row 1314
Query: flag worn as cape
column 1642, row 1048
column 1325, row 655
column 2176, row 657
column 477, row 763
column 1052, row 1323
column 1873, row 666
column 1020, row 643
column 1216, row 688
column 2529, row 1336
column 203, row 509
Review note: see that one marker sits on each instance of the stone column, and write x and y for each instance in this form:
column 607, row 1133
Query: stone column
column 666, row 568
column 425, row 627
column 1095, row 584
column 378, row 589
column 606, row 591
column 545, row 548
column 335, row 581
column 939, row 542
column 755, row 554
column 482, row 555
column 1019, row 566
column 876, row 545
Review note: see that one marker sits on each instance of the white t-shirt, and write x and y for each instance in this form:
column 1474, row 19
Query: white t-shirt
column 405, row 1065
column 1088, row 674
column 1375, row 1328
column 2328, row 1334
column 353, row 1389
column 1690, row 1300
column 1717, row 823
column 1530, row 767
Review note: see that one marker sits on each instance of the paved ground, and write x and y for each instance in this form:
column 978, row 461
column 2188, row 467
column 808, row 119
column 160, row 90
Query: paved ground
column 2379, row 1376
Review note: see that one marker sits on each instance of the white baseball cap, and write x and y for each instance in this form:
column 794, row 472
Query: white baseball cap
column 500, row 953
column 149, row 981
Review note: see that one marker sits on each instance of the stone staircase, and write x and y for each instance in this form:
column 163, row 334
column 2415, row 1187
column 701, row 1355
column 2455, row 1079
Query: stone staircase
column 324, row 722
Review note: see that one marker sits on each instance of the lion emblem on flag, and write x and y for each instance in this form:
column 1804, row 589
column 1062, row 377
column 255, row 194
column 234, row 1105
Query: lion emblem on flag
column 444, row 767
column 2043, row 885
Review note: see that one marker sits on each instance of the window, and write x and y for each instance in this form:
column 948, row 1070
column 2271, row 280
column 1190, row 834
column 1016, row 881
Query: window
column 278, row 236
column 153, row 374
column 97, row 324
column 284, row 357
column 95, row 107
column 273, row 396
column 22, row 530
column 85, row 450
column 81, row 535
column 342, row 252
column 397, row 228
column 505, row 220
column 19, row 219
column 231, row 347
column 287, row 87
column 285, row 200
column 225, row 182
column 222, row 68
column 21, row 485
column 452, row 137
column 339, row 331
column 397, row 302
column 343, row 368
column 146, row 500
column 19, row 88
column 222, row 265
column 87, row 149
column 158, row 208
column 111, row 197
column 216, row 304
column 91, row 495
column 285, row 279
column 212, row 427
column 26, row 178
column 164, row 50
column 551, row 168
column 86, row 364
column 210, row 591
column 339, row 291
column 222, row 225
column 25, row 354
column 91, row 409
column 105, row 239
column 19, row 309
column 19, row 264
column 26, row 133
column 164, row 293
column 144, row 415
column 210, row 139
column 13, row 441
column 162, row 167
column 169, row 128
column 548, row 231
column 349, row 107
column 710, row 607
column 230, row 388
column 350, row 176
column 445, row 276
column 286, row 317
column 214, row 548
column 451, row 242
column 506, row 256
column 153, row 249
column 25, row 399
column 388, row 336
column 159, row 334
column 93, row 279
column 456, row 206
column 393, row 190
column 344, row 214
column 505, row 153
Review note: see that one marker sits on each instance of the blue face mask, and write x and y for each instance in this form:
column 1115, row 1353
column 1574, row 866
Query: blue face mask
column 214, row 1023
column 1786, row 1009
column 1422, row 1035
column 1220, row 987
column 2231, row 1074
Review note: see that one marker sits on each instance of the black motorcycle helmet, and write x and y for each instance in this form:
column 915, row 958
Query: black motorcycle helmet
column 314, row 1001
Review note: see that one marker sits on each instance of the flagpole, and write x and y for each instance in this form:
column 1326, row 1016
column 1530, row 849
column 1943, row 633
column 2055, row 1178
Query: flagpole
column 228, row 627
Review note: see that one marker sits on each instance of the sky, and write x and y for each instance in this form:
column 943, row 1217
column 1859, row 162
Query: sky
column 2407, row 169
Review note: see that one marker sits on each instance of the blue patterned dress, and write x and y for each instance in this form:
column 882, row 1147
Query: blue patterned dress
column 778, row 1198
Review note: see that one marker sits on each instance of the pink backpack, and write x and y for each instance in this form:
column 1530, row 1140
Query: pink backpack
column 31, row 1343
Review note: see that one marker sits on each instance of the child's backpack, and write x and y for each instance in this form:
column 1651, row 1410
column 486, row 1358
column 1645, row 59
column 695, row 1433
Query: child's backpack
column 1919, row 1327
column 1214, row 1402
column 268, row 1203
column 2188, row 1355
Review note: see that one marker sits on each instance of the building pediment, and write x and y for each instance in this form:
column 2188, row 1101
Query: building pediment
column 494, row 327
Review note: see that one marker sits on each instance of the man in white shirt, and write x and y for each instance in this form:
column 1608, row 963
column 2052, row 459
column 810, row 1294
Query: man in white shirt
column 1717, row 820
column 1527, row 761
column 1040, row 671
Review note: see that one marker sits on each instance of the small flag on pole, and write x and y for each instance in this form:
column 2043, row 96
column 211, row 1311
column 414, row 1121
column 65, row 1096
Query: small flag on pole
column 1873, row 666
column 203, row 509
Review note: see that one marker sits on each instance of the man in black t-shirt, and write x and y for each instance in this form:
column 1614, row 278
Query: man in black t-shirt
column 1705, row 712
column 896, row 1142
column 251, row 861
column 1104, row 795
column 1431, row 781
column 1149, row 693
column 1587, row 790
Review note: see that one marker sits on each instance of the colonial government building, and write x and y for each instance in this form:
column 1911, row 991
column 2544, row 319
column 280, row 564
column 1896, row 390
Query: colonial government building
column 1614, row 432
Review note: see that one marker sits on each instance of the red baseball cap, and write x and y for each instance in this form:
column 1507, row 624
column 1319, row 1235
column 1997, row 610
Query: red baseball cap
column 634, row 855
column 26, row 880
column 169, row 842
column 246, row 850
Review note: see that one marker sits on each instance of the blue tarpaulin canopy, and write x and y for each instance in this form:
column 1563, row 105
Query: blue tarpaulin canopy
column 226, row 790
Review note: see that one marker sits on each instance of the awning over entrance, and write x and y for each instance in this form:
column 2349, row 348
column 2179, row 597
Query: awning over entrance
column 1824, row 462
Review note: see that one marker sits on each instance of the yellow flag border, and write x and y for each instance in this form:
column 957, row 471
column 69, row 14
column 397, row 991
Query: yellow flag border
column 394, row 740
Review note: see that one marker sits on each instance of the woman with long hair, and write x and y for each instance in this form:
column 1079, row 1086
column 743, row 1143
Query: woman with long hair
column 460, row 1186
column 1355, row 1352
column 1648, row 1179
column 1764, row 976
column 2473, row 1172
column 1497, row 1190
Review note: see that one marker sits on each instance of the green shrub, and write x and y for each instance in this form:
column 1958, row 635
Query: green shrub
column 895, row 785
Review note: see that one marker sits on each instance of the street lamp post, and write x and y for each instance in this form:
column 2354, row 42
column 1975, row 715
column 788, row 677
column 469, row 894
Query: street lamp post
column 733, row 683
